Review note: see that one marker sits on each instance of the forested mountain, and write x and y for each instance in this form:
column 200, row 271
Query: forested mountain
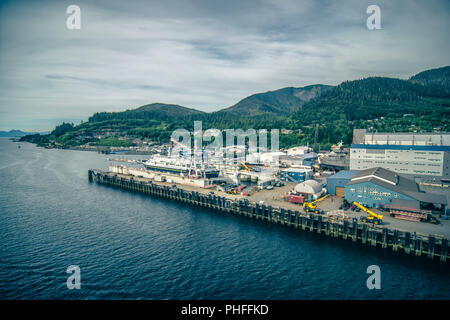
column 437, row 80
column 154, row 111
column 371, row 98
column 421, row 103
column 282, row 101
column 379, row 104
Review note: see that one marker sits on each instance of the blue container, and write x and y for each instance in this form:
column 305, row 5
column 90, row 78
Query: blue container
column 291, row 175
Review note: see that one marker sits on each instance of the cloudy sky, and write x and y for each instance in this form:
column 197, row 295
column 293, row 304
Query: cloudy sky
column 203, row 54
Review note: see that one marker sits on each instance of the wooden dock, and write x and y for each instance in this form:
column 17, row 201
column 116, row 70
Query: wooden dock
column 431, row 246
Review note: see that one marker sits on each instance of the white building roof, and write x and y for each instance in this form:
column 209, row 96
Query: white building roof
column 309, row 186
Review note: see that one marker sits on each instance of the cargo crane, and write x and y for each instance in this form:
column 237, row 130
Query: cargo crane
column 372, row 217
column 312, row 206
column 246, row 167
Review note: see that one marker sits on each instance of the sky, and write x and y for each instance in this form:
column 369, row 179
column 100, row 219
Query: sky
column 203, row 54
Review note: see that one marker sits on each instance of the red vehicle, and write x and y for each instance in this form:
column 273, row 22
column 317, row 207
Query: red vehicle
column 295, row 198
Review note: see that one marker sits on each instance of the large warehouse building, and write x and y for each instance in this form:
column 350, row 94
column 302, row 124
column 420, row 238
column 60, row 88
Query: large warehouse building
column 337, row 182
column 424, row 156
column 377, row 186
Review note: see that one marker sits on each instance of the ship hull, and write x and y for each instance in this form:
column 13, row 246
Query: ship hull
column 167, row 170
column 179, row 171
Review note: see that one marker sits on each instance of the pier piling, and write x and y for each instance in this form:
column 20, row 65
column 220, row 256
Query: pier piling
column 431, row 245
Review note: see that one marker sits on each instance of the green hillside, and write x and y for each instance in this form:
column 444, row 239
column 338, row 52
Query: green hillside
column 379, row 104
column 282, row 101
column 154, row 111
column 437, row 80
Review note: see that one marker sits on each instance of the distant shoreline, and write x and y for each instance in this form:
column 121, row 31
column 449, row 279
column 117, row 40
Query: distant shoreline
column 127, row 152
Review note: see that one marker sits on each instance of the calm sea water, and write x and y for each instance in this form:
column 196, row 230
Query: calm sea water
column 130, row 246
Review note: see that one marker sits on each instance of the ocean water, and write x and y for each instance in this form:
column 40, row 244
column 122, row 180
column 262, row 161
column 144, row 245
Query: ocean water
column 130, row 246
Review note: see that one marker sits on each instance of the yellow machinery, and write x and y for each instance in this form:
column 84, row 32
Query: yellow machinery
column 246, row 167
column 312, row 206
column 372, row 217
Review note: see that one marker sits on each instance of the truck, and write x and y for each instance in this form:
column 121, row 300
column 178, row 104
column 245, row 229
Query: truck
column 235, row 189
column 372, row 217
column 312, row 206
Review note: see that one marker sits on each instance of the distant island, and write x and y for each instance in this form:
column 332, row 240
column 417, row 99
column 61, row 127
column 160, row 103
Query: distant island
column 316, row 114
column 15, row 134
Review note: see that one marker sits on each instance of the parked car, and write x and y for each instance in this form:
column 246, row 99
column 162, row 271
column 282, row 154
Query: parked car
column 279, row 184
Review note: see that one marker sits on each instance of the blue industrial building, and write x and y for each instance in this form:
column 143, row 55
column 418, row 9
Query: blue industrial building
column 377, row 186
column 339, row 180
column 295, row 175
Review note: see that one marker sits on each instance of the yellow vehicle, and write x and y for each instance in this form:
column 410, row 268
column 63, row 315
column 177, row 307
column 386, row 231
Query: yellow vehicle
column 372, row 217
column 312, row 206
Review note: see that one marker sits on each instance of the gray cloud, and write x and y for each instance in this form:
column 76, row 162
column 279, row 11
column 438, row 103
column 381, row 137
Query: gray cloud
column 202, row 54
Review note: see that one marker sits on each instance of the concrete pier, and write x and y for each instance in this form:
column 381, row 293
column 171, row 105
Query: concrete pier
column 430, row 246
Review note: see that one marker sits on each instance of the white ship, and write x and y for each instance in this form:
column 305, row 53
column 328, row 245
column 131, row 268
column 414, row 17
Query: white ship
column 181, row 166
